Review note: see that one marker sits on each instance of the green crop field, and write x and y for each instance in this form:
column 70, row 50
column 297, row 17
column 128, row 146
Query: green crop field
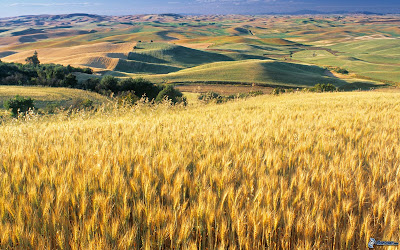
column 377, row 59
column 253, row 71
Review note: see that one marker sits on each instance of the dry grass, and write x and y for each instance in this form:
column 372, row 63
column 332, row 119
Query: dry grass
column 44, row 96
column 294, row 171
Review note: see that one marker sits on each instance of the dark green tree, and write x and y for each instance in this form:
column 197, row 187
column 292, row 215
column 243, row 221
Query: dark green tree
column 19, row 105
column 108, row 83
column 323, row 88
column 171, row 94
column 33, row 60
column 70, row 80
column 91, row 84
column 140, row 87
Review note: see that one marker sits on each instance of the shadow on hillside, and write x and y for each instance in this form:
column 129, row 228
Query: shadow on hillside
column 31, row 39
column 360, row 86
column 164, row 35
column 242, row 56
column 7, row 53
column 188, row 56
column 129, row 66
column 144, row 57
column 178, row 55
column 299, row 74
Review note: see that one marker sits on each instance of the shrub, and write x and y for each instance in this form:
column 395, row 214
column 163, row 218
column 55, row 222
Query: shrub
column 217, row 98
column 87, row 103
column 340, row 70
column 70, row 80
column 19, row 105
column 211, row 97
column 330, row 87
column 127, row 97
column 82, row 103
column 255, row 93
column 245, row 95
column 87, row 71
column 91, row 84
column 108, row 83
column 170, row 93
column 323, row 88
column 140, row 87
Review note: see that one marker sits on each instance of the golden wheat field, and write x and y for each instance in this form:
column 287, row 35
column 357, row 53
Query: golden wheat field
column 298, row 171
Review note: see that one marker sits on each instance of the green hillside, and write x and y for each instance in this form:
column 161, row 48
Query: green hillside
column 174, row 54
column 252, row 71
column 131, row 66
column 376, row 59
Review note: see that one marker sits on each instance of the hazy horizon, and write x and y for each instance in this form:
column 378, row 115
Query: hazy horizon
column 124, row 7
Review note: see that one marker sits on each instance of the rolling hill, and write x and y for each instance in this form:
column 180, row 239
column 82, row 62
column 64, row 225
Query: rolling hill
column 176, row 55
column 267, row 72
column 274, row 50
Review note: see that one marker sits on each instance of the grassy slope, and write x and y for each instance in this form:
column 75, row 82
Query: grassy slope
column 295, row 171
column 376, row 59
column 174, row 55
column 44, row 96
column 253, row 71
column 132, row 66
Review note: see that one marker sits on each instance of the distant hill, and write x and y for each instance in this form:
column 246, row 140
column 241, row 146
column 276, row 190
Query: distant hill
column 316, row 12
column 62, row 16
column 171, row 15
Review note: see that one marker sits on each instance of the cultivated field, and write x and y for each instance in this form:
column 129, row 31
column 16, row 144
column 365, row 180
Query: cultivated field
column 305, row 171
column 292, row 51
column 292, row 171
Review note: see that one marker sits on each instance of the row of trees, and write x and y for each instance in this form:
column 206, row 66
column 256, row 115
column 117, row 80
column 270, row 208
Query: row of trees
column 217, row 98
column 316, row 88
column 53, row 75
column 132, row 90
